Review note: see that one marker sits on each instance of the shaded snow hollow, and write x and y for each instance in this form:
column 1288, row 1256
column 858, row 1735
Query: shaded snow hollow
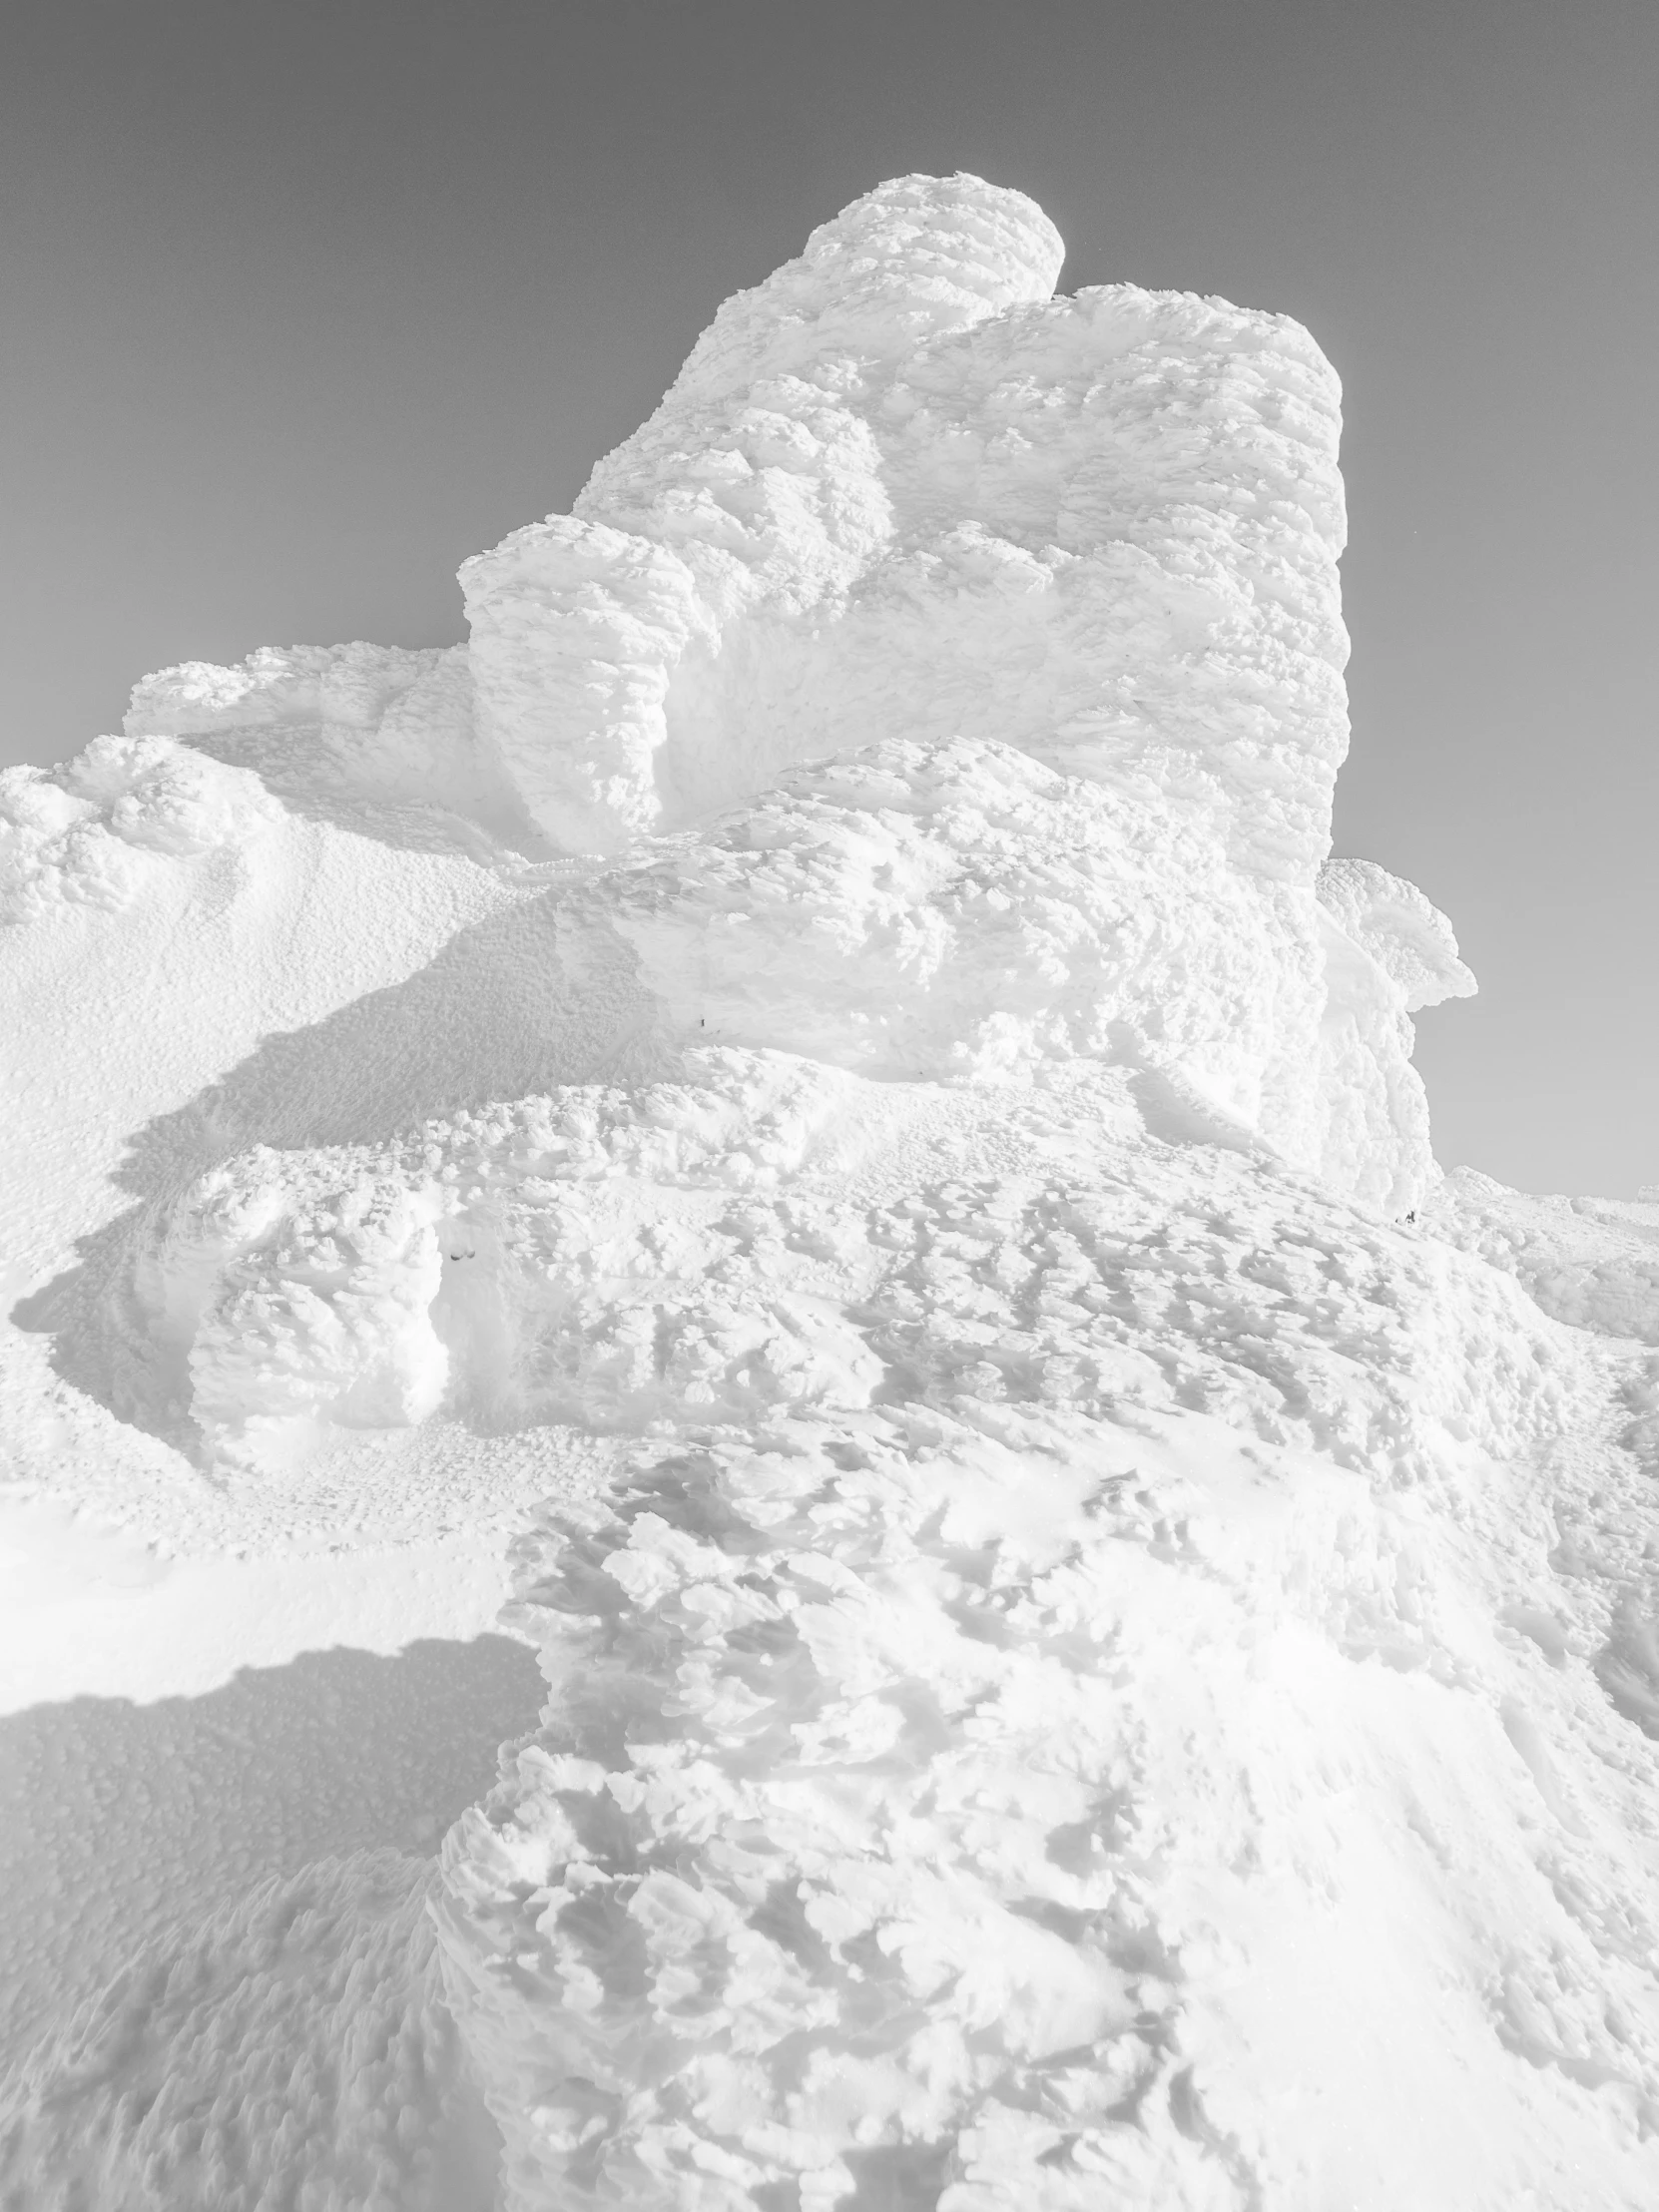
column 811, row 1105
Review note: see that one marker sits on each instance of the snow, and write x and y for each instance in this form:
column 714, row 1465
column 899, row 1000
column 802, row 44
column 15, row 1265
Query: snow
column 1593, row 1261
column 903, row 490
column 811, row 1115
column 294, row 2043
column 1079, row 1718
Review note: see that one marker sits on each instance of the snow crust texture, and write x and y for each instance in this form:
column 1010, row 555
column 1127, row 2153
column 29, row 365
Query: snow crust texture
column 1103, row 1650
column 295, row 2049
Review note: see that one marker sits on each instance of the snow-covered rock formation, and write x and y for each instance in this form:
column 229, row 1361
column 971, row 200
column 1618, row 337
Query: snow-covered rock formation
column 900, row 493
column 1094, row 1657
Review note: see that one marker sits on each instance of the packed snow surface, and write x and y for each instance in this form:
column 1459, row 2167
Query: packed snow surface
column 811, row 1113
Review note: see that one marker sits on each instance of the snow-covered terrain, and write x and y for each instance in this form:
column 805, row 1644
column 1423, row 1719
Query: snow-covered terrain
column 809, row 1114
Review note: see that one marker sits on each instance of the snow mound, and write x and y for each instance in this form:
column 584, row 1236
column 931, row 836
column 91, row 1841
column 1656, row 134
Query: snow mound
column 955, row 910
column 908, row 913
column 1060, row 572
column 296, row 2049
column 1388, row 918
column 388, row 731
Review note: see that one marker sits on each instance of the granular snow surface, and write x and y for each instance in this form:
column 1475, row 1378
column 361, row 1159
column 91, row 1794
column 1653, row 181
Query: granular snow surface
column 751, row 1464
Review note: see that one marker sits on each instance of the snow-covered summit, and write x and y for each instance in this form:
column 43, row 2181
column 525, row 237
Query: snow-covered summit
column 905, row 505
column 1097, row 1612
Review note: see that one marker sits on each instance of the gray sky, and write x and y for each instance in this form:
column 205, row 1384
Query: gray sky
column 304, row 302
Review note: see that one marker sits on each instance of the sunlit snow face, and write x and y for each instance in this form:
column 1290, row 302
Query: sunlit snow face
column 902, row 491
column 864, row 1192
column 905, row 514
column 917, row 255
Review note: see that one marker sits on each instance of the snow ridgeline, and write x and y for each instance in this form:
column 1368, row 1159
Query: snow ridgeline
column 1110, row 1669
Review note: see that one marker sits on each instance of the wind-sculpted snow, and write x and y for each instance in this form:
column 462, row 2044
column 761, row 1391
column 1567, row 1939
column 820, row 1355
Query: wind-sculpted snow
column 1099, row 1616
column 624, row 1257
column 294, row 2050
column 1593, row 1261
column 903, row 496
column 955, row 909
column 91, row 832
column 938, row 1787
column 902, row 490
column 387, row 731
column 510, row 1265
column 909, row 911
column 1394, row 923
column 1064, row 1569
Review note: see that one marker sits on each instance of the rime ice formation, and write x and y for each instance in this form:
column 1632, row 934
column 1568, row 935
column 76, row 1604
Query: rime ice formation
column 902, row 494
column 902, row 490
column 1098, row 1613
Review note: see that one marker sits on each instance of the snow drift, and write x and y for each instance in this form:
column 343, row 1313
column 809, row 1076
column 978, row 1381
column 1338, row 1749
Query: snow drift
column 1112, row 1658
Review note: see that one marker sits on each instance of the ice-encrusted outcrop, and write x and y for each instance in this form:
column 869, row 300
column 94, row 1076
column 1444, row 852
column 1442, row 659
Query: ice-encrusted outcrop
column 172, row 2093
column 904, row 503
column 903, row 490
column 1111, row 1667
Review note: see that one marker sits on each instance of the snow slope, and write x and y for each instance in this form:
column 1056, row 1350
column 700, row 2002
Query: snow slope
column 811, row 1110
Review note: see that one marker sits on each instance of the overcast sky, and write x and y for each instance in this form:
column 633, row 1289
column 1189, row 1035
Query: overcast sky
column 306, row 301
